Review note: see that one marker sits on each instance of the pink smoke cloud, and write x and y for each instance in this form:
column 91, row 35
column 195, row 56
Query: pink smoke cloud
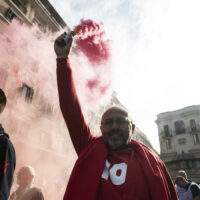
column 92, row 42
column 32, row 52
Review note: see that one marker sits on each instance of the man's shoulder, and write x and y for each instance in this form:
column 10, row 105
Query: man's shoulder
column 6, row 144
column 4, row 139
column 96, row 141
column 195, row 190
column 143, row 149
column 34, row 194
column 195, row 187
column 35, row 190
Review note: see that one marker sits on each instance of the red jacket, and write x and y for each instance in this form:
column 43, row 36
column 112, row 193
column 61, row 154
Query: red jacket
column 85, row 178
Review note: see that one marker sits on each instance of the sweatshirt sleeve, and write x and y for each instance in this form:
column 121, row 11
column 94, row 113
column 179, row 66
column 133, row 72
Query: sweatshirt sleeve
column 7, row 167
column 195, row 190
column 70, row 106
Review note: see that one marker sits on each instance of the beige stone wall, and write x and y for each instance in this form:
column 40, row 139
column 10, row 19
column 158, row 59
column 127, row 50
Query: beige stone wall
column 181, row 151
column 40, row 12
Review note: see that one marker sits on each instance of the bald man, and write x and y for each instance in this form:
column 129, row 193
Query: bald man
column 111, row 167
column 7, row 156
column 26, row 189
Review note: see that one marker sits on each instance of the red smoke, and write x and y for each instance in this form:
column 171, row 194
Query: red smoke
column 28, row 55
column 92, row 43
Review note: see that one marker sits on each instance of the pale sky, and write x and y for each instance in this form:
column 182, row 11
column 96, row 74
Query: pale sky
column 156, row 47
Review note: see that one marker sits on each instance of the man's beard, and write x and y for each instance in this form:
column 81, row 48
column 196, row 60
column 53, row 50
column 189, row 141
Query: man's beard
column 116, row 140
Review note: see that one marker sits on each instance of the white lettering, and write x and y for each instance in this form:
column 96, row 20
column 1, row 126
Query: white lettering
column 117, row 173
column 105, row 171
column 118, row 179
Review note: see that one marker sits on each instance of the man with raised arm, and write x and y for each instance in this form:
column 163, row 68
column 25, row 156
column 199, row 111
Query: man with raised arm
column 113, row 166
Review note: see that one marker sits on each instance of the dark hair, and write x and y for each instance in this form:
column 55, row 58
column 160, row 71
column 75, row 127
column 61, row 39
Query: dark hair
column 3, row 99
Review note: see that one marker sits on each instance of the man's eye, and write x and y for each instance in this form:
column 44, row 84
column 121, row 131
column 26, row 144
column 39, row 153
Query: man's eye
column 121, row 121
column 108, row 122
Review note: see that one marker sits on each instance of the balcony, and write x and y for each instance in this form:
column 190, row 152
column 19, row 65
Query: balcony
column 10, row 15
column 164, row 135
column 19, row 10
column 20, row 5
column 194, row 130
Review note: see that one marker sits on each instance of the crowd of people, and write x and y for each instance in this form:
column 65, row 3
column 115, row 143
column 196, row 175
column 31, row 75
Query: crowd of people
column 109, row 167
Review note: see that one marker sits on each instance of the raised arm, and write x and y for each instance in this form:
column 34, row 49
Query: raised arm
column 69, row 103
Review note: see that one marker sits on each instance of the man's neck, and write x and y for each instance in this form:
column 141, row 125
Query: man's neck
column 22, row 188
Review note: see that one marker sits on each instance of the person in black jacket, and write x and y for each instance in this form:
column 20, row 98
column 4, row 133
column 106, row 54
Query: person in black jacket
column 7, row 156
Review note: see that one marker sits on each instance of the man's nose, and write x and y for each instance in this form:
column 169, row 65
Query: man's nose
column 114, row 124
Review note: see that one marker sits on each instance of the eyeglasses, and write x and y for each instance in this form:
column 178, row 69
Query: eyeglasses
column 119, row 121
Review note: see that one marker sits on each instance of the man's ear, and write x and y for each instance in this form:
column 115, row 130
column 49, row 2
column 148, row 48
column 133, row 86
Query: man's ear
column 133, row 128
column 101, row 128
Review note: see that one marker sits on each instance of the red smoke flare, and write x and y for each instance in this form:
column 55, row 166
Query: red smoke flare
column 91, row 41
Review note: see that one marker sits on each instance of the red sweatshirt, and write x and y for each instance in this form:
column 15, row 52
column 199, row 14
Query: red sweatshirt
column 135, row 173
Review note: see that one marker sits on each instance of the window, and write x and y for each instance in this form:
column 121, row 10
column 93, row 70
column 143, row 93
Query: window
column 192, row 164
column 179, row 127
column 48, row 108
column 10, row 15
column 193, row 125
column 166, row 130
column 196, row 139
column 168, row 144
column 178, row 165
column 27, row 93
column 183, row 165
column 20, row 5
column 198, row 164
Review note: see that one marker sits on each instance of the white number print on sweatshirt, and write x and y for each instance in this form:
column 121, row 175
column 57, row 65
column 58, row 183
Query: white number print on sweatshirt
column 112, row 172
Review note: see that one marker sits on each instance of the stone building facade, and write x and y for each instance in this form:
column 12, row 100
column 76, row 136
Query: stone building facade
column 179, row 135
column 40, row 12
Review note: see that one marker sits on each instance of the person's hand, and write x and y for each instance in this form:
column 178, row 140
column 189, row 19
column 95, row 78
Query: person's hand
column 62, row 47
